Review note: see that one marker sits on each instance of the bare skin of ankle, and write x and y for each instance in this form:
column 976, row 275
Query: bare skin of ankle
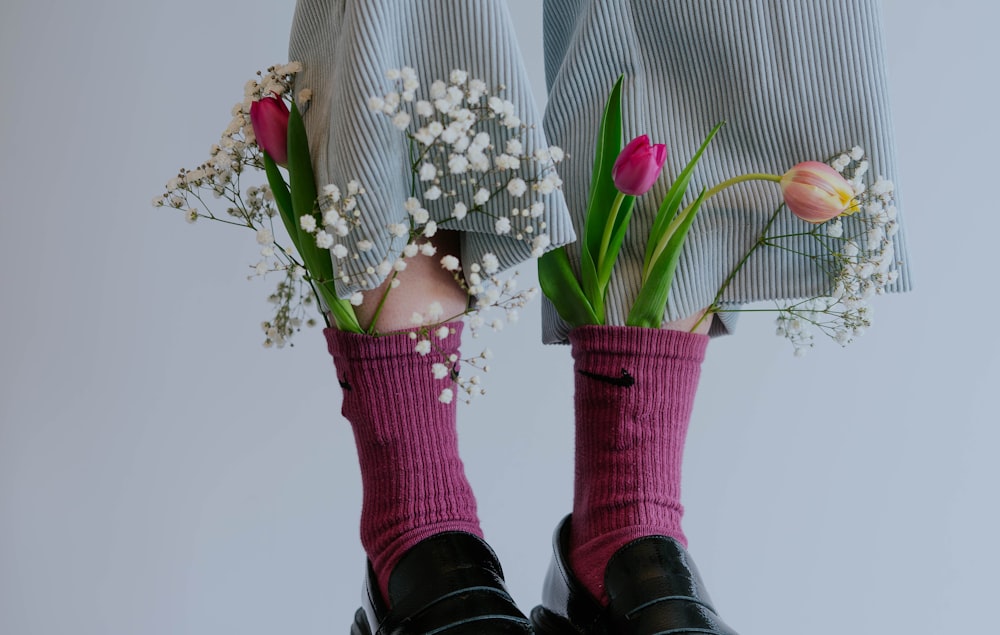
column 685, row 324
column 423, row 282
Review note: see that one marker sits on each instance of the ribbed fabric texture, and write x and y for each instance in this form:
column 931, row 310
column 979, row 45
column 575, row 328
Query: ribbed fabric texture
column 635, row 389
column 346, row 48
column 794, row 81
column 413, row 479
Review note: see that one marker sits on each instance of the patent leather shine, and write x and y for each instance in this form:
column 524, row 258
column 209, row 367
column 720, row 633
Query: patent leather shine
column 451, row 583
column 653, row 587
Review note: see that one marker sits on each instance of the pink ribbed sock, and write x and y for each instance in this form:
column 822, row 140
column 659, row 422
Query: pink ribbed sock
column 413, row 479
column 635, row 388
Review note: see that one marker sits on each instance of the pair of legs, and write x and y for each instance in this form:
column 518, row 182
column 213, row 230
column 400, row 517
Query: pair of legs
column 634, row 392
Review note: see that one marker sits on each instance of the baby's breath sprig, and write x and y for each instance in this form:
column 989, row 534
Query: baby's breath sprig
column 467, row 148
column 496, row 302
column 468, row 151
column 235, row 156
column 855, row 251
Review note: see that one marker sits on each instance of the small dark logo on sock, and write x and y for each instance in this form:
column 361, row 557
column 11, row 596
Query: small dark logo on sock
column 343, row 384
column 625, row 380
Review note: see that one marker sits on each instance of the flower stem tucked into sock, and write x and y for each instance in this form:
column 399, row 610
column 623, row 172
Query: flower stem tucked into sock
column 413, row 479
column 635, row 388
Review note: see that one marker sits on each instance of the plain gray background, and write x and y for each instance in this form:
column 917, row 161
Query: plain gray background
column 161, row 473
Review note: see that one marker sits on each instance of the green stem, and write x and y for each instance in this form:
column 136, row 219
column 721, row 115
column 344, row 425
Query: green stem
column 714, row 307
column 316, row 294
column 381, row 304
column 609, row 228
column 755, row 176
column 676, row 222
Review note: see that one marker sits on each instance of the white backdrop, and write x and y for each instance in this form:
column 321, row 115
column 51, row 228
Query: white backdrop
column 161, row 473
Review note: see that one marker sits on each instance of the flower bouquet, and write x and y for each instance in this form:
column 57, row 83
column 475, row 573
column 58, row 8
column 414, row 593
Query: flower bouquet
column 466, row 147
column 850, row 223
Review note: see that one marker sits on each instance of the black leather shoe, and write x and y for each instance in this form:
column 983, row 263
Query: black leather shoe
column 450, row 583
column 653, row 586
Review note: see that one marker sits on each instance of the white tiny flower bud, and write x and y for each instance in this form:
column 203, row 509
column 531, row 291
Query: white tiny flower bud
column 324, row 240
column 427, row 173
column 331, row 217
column 401, row 120
column 440, row 371
column 458, row 164
column 265, row 237
column 424, row 108
column 517, row 187
column 491, row 264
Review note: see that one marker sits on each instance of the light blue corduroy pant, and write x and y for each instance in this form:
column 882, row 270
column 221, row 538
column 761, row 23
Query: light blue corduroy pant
column 793, row 80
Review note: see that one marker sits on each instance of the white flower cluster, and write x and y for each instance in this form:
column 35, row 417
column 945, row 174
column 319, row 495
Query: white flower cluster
column 450, row 368
column 249, row 206
column 469, row 158
column 335, row 215
column 469, row 154
column 860, row 258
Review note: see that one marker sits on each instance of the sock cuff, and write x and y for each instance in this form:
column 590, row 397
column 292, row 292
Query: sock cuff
column 634, row 340
column 362, row 347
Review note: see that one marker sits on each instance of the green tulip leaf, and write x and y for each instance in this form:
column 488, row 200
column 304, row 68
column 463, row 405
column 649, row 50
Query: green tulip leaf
column 606, row 265
column 601, row 202
column 282, row 198
column 319, row 264
column 667, row 214
column 560, row 286
column 651, row 303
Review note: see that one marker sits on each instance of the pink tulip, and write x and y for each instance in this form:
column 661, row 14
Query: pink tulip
column 269, row 118
column 815, row 192
column 638, row 166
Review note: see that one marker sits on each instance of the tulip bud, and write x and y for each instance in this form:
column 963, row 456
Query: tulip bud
column 269, row 118
column 638, row 166
column 815, row 192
